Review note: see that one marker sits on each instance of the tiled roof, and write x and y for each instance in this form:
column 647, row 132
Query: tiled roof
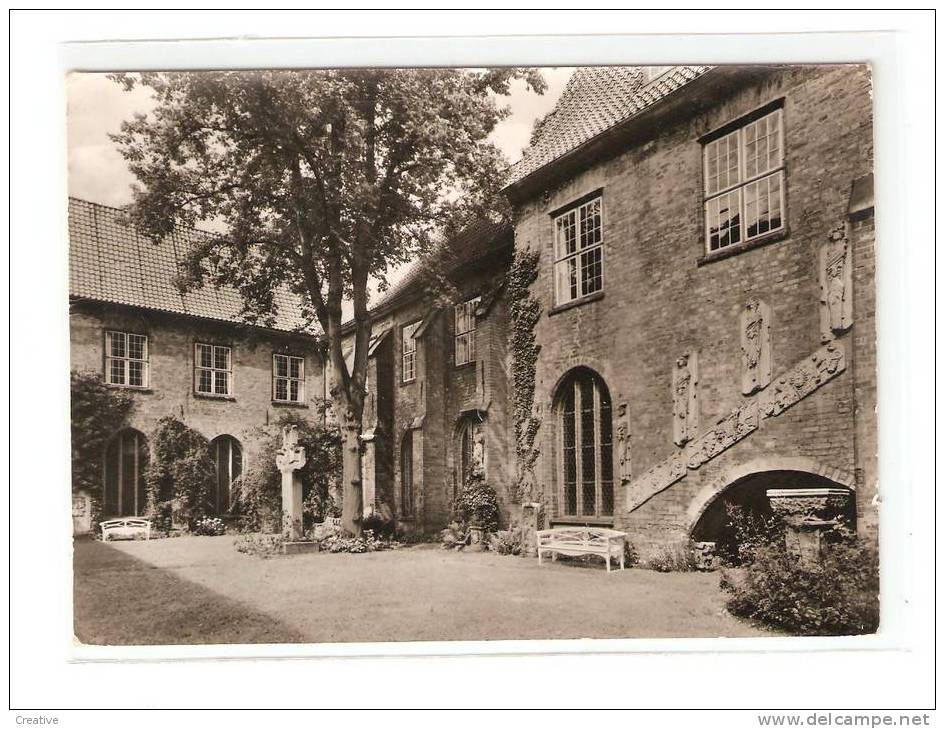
column 110, row 261
column 595, row 99
column 476, row 242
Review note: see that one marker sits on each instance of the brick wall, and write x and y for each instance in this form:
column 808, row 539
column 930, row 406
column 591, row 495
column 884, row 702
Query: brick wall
column 171, row 343
column 660, row 301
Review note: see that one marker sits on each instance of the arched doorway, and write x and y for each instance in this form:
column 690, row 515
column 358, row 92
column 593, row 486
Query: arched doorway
column 406, row 475
column 227, row 455
column 585, row 468
column 126, row 458
column 746, row 500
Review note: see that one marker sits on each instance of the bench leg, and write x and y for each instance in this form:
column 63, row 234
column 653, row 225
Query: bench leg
column 621, row 558
column 539, row 558
column 607, row 560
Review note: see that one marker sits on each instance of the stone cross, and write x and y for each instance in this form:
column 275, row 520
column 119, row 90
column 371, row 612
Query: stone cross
column 289, row 459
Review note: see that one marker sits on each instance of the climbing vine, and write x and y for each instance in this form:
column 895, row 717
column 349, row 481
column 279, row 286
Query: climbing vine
column 524, row 313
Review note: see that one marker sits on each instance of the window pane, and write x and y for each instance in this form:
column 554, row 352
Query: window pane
column 762, row 145
column 567, row 275
column 565, row 235
column 294, row 390
column 136, row 373
column 569, row 451
column 116, row 371
column 281, row 365
column 221, row 358
column 590, row 223
column 591, row 271
column 588, row 455
column 723, row 220
column 721, row 163
column 763, row 205
column 222, row 384
column 295, row 367
column 136, row 346
column 116, row 344
column 205, row 355
column 282, row 390
column 204, row 381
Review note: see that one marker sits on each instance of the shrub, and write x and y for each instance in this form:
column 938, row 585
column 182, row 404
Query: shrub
column 258, row 495
column 508, row 541
column 209, row 526
column 455, row 536
column 98, row 412
column 335, row 539
column 477, row 504
column 631, row 557
column 838, row 595
column 673, row 558
column 383, row 528
column 180, row 475
column 259, row 545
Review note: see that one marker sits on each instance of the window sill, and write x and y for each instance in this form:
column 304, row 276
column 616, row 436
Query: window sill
column 288, row 404
column 557, row 309
column 404, row 383
column 130, row 388
column 210, row 396
column 724, row 253
column 465, row 365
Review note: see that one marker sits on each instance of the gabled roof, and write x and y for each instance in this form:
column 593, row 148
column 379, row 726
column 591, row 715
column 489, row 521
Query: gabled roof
column 109, row 261
column 475, row 243
column 596, row 98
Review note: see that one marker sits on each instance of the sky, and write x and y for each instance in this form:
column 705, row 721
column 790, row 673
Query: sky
column 97, row 106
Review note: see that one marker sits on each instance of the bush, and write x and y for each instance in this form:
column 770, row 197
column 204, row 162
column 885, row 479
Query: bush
column 631, row 557
column 674, row 558
column 209, row 526
column 477, row 504
column 334, row 539
column 258, row 496
column 259, row 545
column 839, row 595
column 508, row 541
column 98, row 412
column 383, row 528
column 180, row 476
column 455, row 536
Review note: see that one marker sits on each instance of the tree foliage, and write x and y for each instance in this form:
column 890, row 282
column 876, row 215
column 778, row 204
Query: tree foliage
column 319, row 180
column 98, row 412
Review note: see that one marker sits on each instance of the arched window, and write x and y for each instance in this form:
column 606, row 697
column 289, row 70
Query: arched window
column 586, row 460
column 227, row 455
column 406, row 475
column 126, row 458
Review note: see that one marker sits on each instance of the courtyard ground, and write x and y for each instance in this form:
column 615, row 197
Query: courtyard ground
column 201, row 590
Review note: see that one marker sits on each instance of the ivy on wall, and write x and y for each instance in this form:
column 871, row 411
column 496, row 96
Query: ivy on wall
column 524, row 313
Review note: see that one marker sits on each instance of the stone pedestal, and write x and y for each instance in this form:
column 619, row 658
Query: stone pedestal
column 81, row 513
column 807, row 515
column 533, row 519
column 477, row 538
column 289, row 459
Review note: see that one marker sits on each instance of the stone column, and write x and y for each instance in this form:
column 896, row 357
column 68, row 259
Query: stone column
column 533, row 519
column 807, row 515
column 289, row 459
column 368, row 473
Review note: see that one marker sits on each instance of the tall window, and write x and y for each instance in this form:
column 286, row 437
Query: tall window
column 744, row 183
column 212, row 371
column 579, row 253
column 126, row 458
column 466, row 332
column 126, row 359
column 409, row 352
column 406, row 475
column 288, row 378
column 586, row 465
column 227, row 458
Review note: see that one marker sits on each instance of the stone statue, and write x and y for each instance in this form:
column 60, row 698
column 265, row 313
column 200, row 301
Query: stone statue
column 836, row 285
column 685, row 402
column 623, row 442
column 478, row 466
column 756, row 346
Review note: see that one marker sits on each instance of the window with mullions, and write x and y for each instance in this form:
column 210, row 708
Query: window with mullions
column 126, row 359
column 288, row 378
column 744, row 183
column 579, row 253
column 586, row 465
column 212, row 369
column 466, row 332
column 409, row 352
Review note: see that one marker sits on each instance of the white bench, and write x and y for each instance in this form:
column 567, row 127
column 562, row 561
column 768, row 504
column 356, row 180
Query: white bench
column 130, row 527
column 577, row 541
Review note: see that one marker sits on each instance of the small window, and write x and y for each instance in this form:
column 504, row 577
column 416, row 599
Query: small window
column 409, row 352
column 579, row 252
column 126, row 359
column 466, row 332
column 744, row 183
column 288, row 378
column 212, row 370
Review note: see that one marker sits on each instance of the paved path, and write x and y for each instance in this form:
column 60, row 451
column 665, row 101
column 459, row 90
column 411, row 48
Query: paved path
column 417, row 593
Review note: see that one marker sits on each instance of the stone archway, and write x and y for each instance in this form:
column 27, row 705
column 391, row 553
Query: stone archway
column 758, row 489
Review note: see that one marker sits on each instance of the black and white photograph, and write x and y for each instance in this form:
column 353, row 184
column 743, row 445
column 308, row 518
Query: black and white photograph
column 456, row 354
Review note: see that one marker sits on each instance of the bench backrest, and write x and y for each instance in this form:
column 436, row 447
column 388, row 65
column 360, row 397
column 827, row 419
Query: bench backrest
column 118, row 523
column 577, row 535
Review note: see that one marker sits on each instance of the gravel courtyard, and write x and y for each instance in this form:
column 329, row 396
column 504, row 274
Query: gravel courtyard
column 201, row 590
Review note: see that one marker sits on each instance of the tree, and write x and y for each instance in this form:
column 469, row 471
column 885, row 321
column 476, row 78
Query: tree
column 320, row 180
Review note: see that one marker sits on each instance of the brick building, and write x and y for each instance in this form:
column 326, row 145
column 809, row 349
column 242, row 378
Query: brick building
column 706, row 275
column 188, row 355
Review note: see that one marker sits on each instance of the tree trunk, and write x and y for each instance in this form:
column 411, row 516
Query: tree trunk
column 352, row 508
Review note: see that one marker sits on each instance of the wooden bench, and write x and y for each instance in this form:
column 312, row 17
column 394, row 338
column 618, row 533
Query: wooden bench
column 130, row 527
column 577, row 541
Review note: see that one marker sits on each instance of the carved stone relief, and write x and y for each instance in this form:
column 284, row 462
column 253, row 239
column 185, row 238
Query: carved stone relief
column 836, row 285
column 661, row 476
column 805, row 377
column 685, row 398
column 623, row 442
column 756, row 346
column 726, row 433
